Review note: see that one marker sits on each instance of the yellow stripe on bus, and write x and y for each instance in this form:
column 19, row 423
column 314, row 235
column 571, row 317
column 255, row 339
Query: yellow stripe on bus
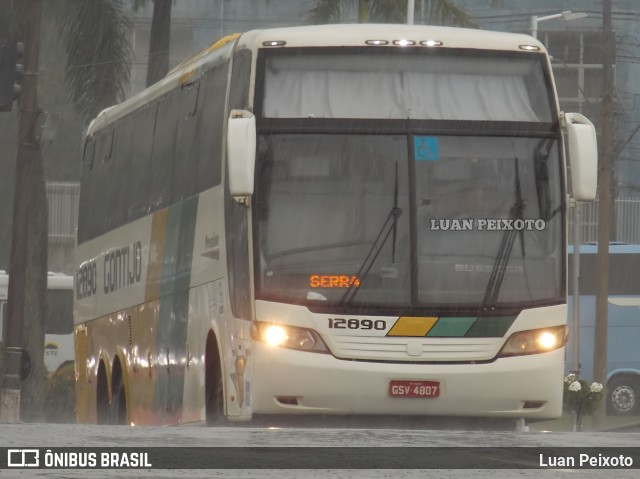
column 156, row 255
column 412, row 326
column 211, row 48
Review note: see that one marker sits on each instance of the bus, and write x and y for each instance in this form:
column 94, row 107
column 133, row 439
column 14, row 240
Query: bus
column 330, row 220
column 623, row 328
column 59, row 300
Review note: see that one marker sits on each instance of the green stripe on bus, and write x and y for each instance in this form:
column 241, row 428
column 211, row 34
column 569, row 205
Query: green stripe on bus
column 491, row 327
column 451, row 327
column 173, row 317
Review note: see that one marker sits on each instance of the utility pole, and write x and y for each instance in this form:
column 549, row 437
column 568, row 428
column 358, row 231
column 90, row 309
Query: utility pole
column 604, row 210
column 28, row 266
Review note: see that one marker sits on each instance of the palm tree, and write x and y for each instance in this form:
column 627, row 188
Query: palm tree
column 437, row 12
column 95, row 36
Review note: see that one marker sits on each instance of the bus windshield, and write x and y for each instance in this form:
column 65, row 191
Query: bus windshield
column 341, row 219
column 411, row 83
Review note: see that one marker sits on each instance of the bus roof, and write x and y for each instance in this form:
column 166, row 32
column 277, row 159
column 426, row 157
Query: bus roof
column 358, row 34
column 320, row 36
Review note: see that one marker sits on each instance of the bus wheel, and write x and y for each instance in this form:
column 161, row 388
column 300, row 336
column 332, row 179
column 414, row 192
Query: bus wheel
column 102, row 397
column 623, row 394
column 213, row 384
column 118, row 398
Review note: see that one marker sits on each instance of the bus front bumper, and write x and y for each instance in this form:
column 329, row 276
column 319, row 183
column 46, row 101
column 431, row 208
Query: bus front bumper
column 286, row 381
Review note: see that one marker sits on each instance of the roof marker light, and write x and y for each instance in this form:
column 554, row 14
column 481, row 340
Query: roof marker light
column 530, row 48
column 376, row 42
column 274, row 43
column 431, row 43
column 404, row 42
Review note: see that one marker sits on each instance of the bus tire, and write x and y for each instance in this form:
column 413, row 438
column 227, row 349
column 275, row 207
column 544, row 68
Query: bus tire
column 623, row 395
column 103, row 411
column 214, row 391
column 118, row 409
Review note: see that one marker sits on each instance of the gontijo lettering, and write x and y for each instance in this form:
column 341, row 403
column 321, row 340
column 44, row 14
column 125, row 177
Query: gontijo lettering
column 122, row 267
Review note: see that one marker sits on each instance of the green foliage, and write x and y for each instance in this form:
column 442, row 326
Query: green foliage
column 96, row 38
column 581, row 396
column 95, row 35
column 60, row 395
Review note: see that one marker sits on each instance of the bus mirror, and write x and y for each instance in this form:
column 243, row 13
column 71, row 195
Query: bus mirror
column 241, row 152
column 582, row 148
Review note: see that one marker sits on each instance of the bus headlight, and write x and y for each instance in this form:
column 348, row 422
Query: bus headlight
column 291, row 337
column 535, row 341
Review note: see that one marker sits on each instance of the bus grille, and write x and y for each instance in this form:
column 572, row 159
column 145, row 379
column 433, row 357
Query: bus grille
column 415, row 349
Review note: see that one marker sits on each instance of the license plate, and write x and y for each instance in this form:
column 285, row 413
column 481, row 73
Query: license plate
column 414, row 389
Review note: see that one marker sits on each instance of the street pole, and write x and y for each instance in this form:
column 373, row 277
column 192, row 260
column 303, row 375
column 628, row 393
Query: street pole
column 604, row 211
column 26, row 250
column 575, row 329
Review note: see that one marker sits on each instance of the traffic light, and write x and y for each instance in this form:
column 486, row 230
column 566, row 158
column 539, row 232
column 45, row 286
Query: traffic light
column 11, row 70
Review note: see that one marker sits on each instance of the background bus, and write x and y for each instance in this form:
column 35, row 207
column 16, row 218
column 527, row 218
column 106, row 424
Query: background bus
column 623, row 333
column 58, row 344
column 337, row 219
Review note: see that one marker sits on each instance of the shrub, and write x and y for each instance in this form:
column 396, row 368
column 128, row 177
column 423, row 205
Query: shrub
column 580, row 396
column 60, row 395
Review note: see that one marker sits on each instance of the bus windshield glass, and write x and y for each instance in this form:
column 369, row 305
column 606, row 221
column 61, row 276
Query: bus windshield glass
column 341, row 219
column 59, row 311
column 410, row 83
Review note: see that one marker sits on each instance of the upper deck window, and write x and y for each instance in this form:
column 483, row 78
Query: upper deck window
column 407, row 83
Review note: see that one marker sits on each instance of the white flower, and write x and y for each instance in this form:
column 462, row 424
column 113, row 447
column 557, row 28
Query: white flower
column 569, row 378
column 575, row 386
column 596, row 387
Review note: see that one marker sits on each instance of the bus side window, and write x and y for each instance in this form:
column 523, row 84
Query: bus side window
column 210, row 127
column 94, row 211
column 236, row 214
column 164, row 141
column 239, row 92
column 142, row 145
column 88, row 176
column 184, row 160
column 119, row 167
column 59, row 311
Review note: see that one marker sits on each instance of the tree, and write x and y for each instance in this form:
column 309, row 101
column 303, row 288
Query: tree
column 94, row 35
column 438, row 12
column 96, row 38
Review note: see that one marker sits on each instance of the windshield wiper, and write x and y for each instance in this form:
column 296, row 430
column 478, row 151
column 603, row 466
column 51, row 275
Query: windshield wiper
column 494, row 285
column 389, row 226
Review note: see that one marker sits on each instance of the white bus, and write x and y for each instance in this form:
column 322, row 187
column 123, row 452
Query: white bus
column 58, row 343
column 338, row 219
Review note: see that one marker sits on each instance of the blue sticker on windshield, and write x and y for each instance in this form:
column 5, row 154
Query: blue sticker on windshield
column 425, row 148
